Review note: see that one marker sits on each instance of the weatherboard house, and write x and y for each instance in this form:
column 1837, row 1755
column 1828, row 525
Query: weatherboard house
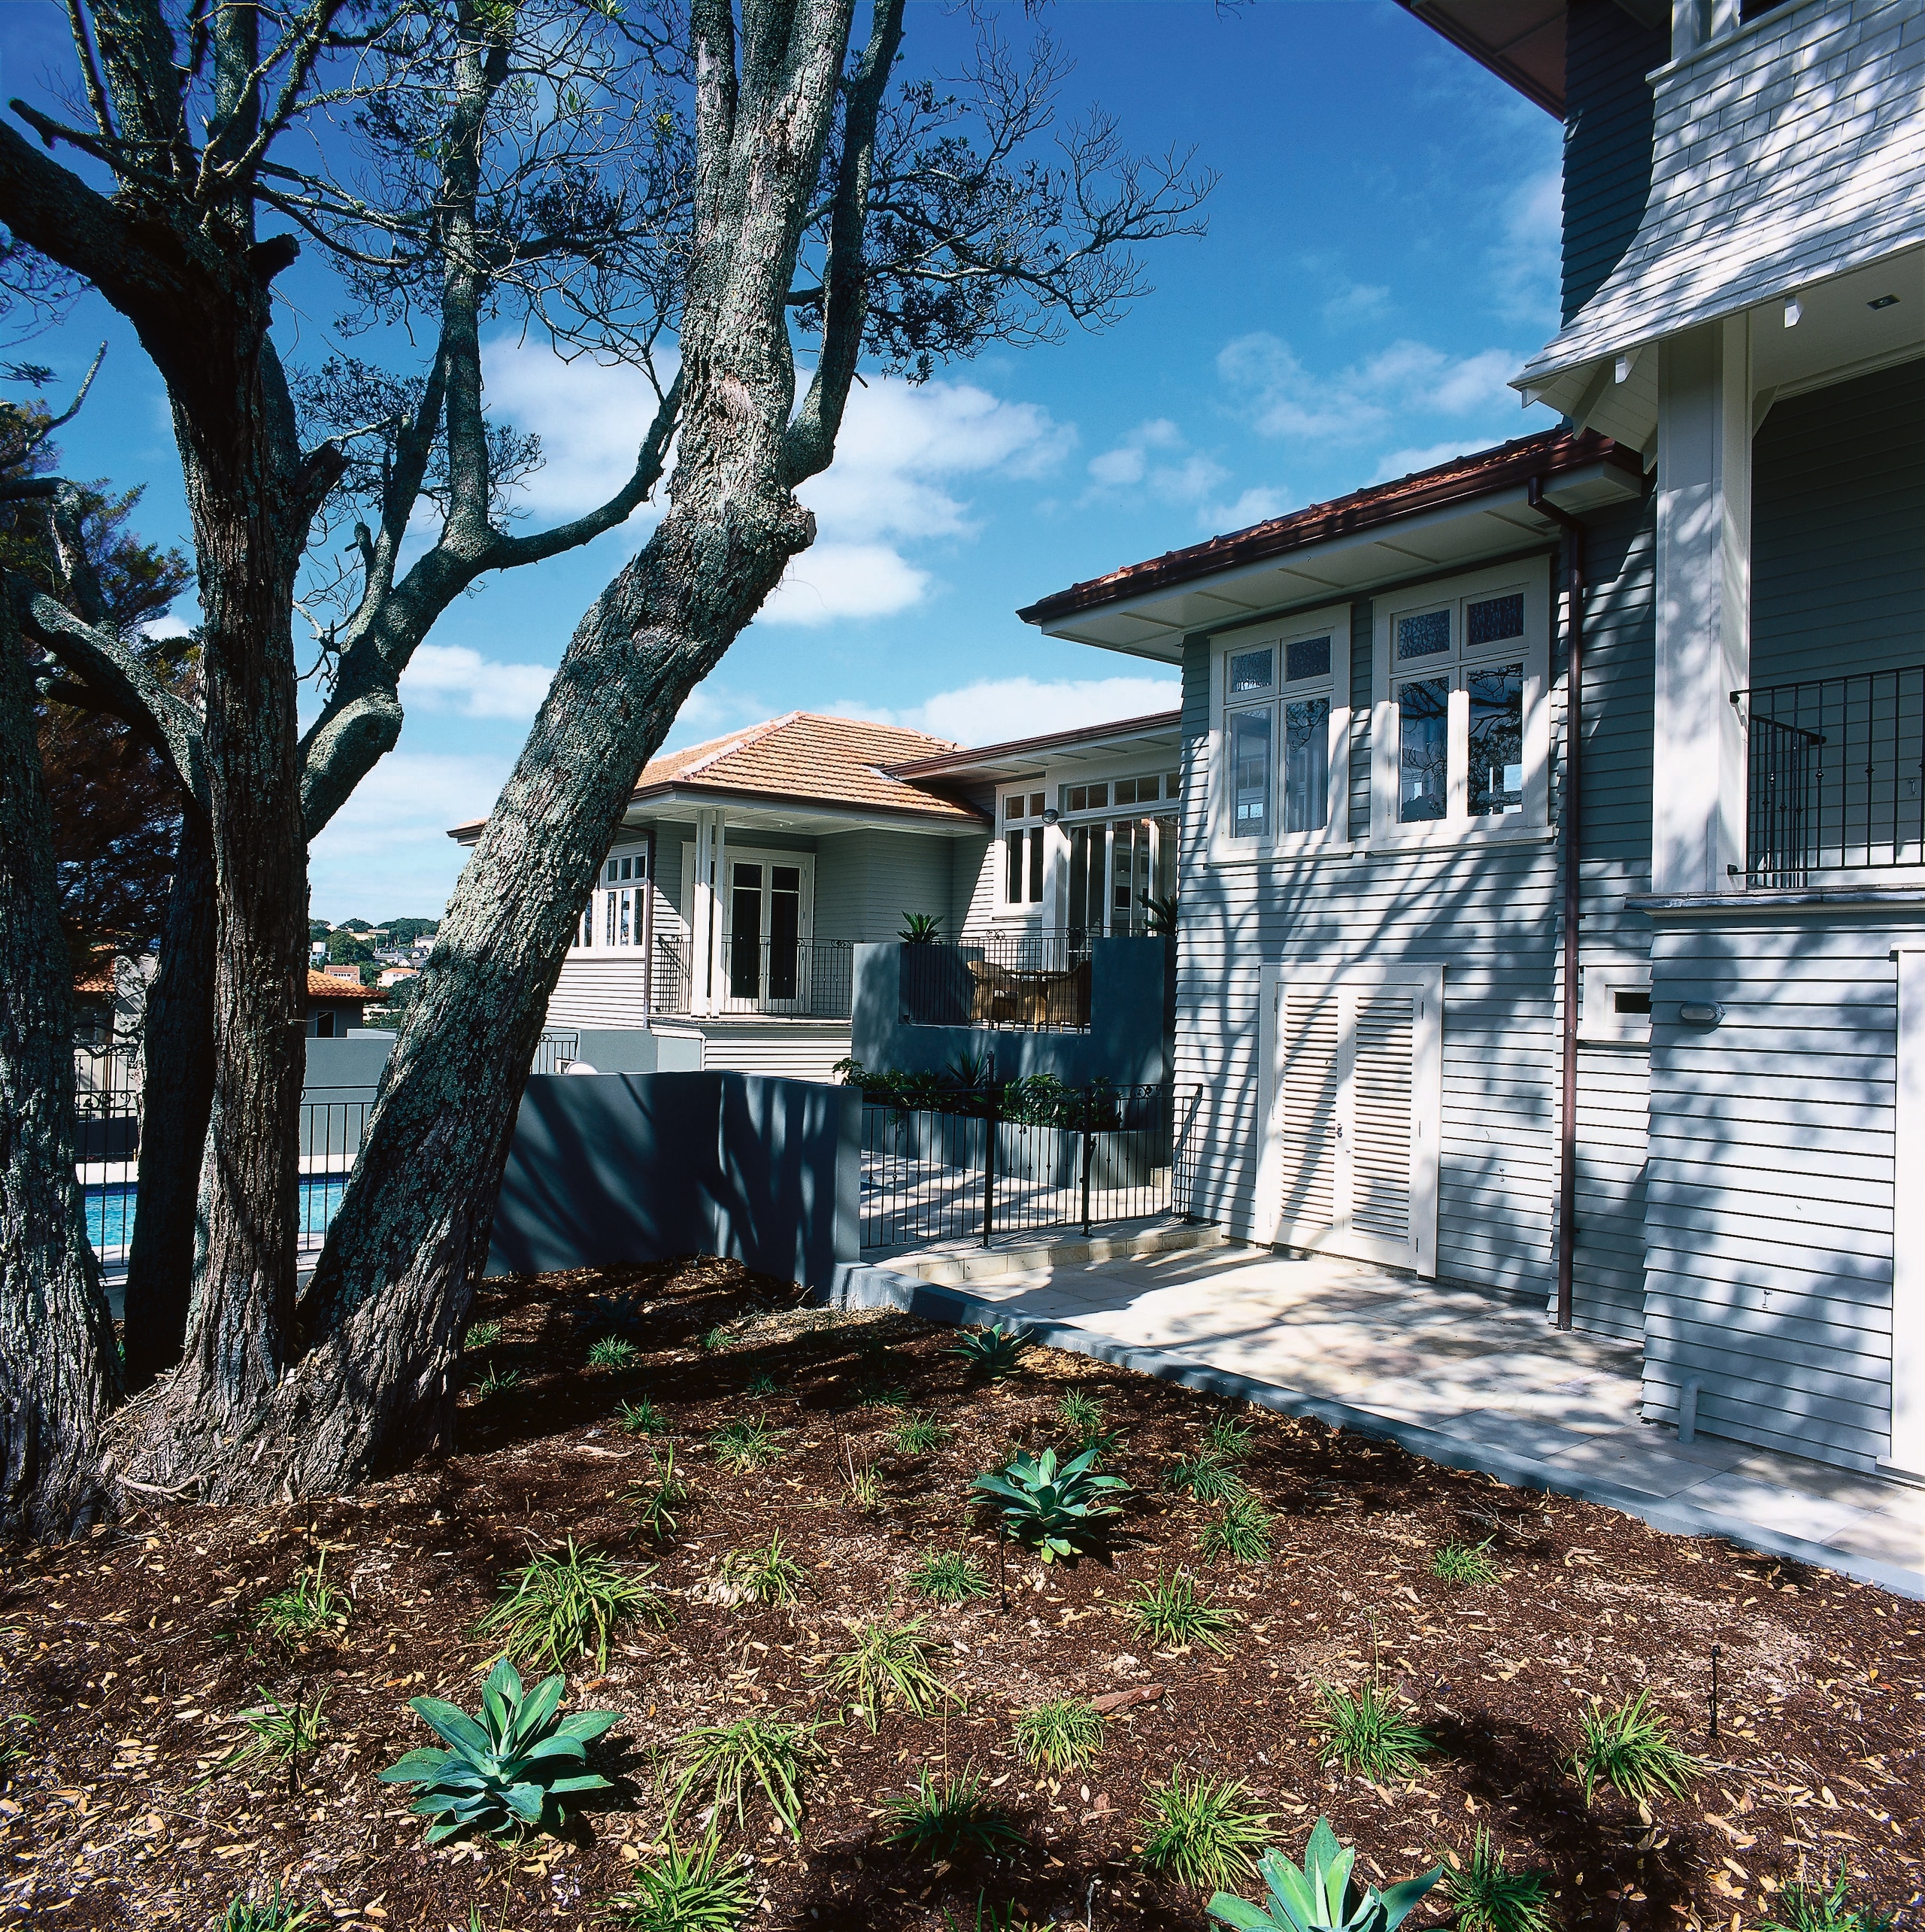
column 1553, row 872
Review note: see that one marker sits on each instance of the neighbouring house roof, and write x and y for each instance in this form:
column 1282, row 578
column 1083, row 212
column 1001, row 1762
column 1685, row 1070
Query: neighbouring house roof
column 1492, row 481
column 336, row 986
column 1153, row 728
column 802, row 759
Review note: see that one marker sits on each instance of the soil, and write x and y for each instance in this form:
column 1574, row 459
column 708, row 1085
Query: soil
column 127, row 1657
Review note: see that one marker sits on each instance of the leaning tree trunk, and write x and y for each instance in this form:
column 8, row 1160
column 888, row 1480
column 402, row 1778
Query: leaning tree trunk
column 58, row 1374
column 177, row 1096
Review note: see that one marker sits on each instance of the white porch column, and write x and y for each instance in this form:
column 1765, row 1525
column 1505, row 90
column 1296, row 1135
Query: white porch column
column 1704, row 604
column 705, row 901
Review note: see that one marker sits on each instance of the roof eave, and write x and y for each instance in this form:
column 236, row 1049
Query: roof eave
column 1151, row 724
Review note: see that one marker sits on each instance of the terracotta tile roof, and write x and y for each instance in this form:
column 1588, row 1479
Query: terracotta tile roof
column 335, row 985
column 1506, row 467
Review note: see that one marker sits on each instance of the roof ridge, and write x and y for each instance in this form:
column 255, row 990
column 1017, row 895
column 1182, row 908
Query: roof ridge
column 873, row 724
column 752, row 734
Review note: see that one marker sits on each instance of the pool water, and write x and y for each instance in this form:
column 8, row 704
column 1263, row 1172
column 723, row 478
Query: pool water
column 110, row 1210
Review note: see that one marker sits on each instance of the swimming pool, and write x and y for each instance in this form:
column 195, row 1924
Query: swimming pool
column 110, row 1210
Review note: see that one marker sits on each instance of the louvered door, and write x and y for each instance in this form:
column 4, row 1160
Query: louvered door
column 1356, row 1117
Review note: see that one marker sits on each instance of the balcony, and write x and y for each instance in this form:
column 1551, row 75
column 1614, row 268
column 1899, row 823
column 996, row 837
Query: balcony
column 1835, row 778
column 793, row 979
column 1031, row 982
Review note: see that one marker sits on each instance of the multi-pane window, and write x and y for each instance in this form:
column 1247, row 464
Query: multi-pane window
column 617, row 901
column 1462, row 671
column 1280, row 700
column 1023, row 848
column 1116, row 864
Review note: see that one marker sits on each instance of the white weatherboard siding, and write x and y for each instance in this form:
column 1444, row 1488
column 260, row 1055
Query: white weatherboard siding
column 606, row 990
column 1788, row 152
column 1906, row 1454
column 1769, row 1220
column 792, row 1049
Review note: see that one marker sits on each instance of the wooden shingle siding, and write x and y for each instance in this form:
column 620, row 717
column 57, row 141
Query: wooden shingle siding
column 1608, row 120
column 1838, row 523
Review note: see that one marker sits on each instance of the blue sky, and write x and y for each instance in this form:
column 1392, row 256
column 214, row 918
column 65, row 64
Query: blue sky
column 1381, row 255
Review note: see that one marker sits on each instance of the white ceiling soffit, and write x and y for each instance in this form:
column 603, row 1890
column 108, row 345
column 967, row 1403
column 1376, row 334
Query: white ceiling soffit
column 1155, row 624
column 1104, row 751
column 740, row 813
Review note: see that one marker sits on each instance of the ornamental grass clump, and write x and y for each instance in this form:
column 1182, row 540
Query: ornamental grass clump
column 1209, row 1475
column 746, row 1442
column 557, row 1608
column 1081, row 1414
column 948, row 1577
column 723, row 1763
column 890, row 1663
column 656, row 1498
column 308, row 1607
column 1224, row 1436
column 766, row 1575
column 1367, row 1732
column 510, row 1765
column 1466, row 1563
column 277, row 1914
column 282, row 1733
column 1063, row 1735
column 1488, row 1896
column 1631, row 1749
column 698, row 1890
column 613, row 1352
column 1323, row 1895
column 1240, row 1528
column 1058, row 1513
column 1201, row 1833
column 950, row 1816
column 483, row 1336
column 641, row 1418
column 1171, row 1613
column 917, row 1433
column 1814, row 1907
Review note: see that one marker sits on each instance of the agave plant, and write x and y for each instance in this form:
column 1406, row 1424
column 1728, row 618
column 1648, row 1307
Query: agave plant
column 1323, row 1897
column 1060, row 1511
column 502, row 1768
column 994, row 1351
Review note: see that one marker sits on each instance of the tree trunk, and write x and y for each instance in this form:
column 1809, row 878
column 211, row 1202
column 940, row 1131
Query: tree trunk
column 58, row 1373
column 177, row 1096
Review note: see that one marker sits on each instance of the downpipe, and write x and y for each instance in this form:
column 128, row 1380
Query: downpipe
column 1567, row 1126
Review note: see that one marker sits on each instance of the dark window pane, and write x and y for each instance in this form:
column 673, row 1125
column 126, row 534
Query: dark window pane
column 1307, row 766
column 1307, row 657
column 1146, row 791
column 1627, row 1000
column 1424, row 711
column 1125, row 791
column 1012, row 890
column 1496, row 740
column 1249, row 774
column 1494, row 619
column 1036, row 805
column 1250, row 671
column 1036, row 867
column 1012, row 807
column 1099, row 796
column 1423, row 636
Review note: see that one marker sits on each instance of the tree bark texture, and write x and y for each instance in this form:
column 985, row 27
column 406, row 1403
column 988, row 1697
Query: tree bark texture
column 177, row 1096
column 58, row 1373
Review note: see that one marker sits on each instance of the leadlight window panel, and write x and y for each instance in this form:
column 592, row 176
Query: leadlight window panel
column 1306, row 657
column 1423, row 737
column 1250, row 671
column 1423, row 634
column 1306, row 802
column 1496, row 740
column 1494, row 619
column 1249, row 774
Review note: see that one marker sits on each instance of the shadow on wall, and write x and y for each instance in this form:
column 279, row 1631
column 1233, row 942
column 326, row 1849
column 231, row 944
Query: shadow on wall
column 624, row 1167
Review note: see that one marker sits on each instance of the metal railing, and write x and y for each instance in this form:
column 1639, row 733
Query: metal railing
column 555, row 1053
column 801, row 979
column 969, row 1163
column 1835, row 776
column 1027, row 982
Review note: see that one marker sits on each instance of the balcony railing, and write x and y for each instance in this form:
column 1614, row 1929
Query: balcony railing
column 797, row 979
column 1836, row 776
column 1029, row 982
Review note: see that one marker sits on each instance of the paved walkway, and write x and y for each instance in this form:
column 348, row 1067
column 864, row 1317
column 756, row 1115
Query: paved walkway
column 1465, row 1376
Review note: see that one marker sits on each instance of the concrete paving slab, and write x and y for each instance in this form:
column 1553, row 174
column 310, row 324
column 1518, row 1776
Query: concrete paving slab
column 1524, row 1434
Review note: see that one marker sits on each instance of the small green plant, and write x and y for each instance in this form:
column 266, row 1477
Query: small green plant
column 1082, row 1414
column 308, row 1607
column 994, row 1351
column 1208, row 1475
column 613, row 1352
column 1812, row 1908
column 875, row 1395
column 641, row 1418
column 507, row 1766
column 949, row 1817
column 917, row 1433
column 724, row 1763
column 1367, row 1732
column 887, row 1662
column 713, row 1340
column 762, row 1384
column 1488, row 1897
column 920, row 928
column 1465, row 1562
column 1063, row 1735
column 1171, row 1613
column 1324, row 1896
column 767, row 1575
column 747, row 1442
column 1240, row 1528
column 556, row 1608
column 497, row 1381
column 483, row 1336
column 1228, row 1437
column 1631, row 1747
column 268, row 1914
column 1201, row 1833
column 282, row 1733
column 1059, row 1512
column 862, row 1486
column 16, row 1734
column 655, row 1499
column 948, row 1576
column 693, row 1890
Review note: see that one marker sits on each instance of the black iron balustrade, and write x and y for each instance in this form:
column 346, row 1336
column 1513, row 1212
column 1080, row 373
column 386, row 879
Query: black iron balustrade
column 1835, row 776
column 801, row 979
column 1026, row 982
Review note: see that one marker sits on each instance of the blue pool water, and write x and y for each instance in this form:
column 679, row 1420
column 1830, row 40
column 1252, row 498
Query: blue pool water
column 111, row 1209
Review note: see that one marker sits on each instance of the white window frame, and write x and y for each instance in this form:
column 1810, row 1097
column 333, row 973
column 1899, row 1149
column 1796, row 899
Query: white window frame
column 1164, row 808
column 596, row 914
column 1532, row 578
column 764, row 856
column 1034, row 820
column 1277, row 634
column 1600, row 1022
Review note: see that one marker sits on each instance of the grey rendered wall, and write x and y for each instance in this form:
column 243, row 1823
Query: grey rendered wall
column 625, row 1168
column 348, row 1066
column 1770, row 1214
column 1608, row 123
column 1838, row 530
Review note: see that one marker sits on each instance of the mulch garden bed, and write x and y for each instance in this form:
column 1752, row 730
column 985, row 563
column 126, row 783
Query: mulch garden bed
column 127, row 1655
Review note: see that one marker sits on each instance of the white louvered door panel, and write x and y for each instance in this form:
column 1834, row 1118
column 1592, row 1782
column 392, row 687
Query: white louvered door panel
column 1311, row 1038
column 1379, row 1132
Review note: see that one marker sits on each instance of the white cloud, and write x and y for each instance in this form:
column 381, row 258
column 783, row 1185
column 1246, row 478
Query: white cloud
column 997, row 709
column 1190, row 477
column 1408, row 462
column 830, row 580
column 1254, row 506
column 1355, row 302
column 453, row 678
column 167, row 625
column 1524, row 262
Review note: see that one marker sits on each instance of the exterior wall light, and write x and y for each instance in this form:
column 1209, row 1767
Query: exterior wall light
column 1883, row 302
column 1050, row 815
column 1694, row 1013
column 1794, row 314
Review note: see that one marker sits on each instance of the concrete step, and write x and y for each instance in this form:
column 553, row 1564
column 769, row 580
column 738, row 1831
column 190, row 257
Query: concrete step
column 952, row 1264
